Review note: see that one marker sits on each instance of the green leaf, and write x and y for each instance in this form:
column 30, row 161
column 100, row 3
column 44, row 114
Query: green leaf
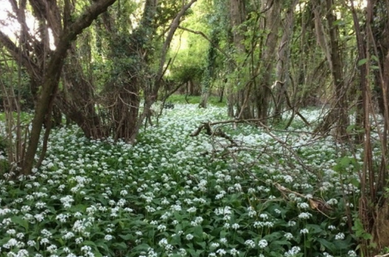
column 4, row 240
column 141, row 247
column 239, row 239
column 120, row 246
column 355, row 182
column 97, row 254
column 328, row 245
column 89, row 243
column 20, row 221
column 127, row 237
column 273, row 236
column 360, row 231
column 362, row 61
column 313, row 228
column 193, row 253
column 202, row 244
column 198, row 232
column 101, row 244
column 78, row 208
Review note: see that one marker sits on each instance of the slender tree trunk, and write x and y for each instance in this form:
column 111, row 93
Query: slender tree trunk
column 282, row 69
column 359, row 122
column 341, row 105
column 209, row 71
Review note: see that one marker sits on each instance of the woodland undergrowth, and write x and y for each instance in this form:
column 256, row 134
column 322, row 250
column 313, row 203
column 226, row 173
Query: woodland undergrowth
column 263, row 191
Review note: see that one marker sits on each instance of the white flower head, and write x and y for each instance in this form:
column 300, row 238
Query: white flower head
column 305, row 215
column 304, row 231
column 250, row 243
column 262, row 243
column 235, row 226
column 339, row 236
column 288, row 236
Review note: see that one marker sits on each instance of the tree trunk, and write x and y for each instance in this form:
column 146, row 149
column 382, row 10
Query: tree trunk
column 237, row 18
column 359, row 121
column 282, row 69
column 78, row 101
column 209, row 71
column 341, row 105
column 271, row 24
column 338, row 114
column 378, row 38
column 52, row 75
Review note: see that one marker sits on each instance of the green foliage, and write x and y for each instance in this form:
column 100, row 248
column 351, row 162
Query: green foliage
column 176, row 195
column 360, row 232
column 188, row 52
column 187, row 73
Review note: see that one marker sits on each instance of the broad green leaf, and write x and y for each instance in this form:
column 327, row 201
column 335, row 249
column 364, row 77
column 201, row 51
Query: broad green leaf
column 314, row 228
column 192, row 252
column 362, row 62
column 198, row 231
column 120, row 246
column 127, row 237
column 20, row 221
column 89, row 243
column 327, row 245
column 102, row 244
column 273, row 236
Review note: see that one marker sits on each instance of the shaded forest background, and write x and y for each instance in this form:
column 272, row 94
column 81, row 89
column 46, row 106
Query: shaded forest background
column 102, row 64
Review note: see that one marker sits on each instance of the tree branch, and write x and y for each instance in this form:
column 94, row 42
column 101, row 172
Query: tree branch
column 20, row 57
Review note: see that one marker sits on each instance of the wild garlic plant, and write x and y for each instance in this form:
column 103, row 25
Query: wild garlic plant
column 176, row 195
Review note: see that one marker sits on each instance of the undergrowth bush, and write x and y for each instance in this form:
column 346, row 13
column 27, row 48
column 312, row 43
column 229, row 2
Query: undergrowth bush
column 272, row 194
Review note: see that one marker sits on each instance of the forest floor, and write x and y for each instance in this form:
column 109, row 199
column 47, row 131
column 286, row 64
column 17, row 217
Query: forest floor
column 257, row 192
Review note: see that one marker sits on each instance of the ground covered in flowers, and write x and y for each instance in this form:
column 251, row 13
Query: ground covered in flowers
column 273, row 193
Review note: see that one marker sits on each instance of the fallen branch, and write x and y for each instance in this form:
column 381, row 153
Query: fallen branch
column 211, row 132
column 315, row 203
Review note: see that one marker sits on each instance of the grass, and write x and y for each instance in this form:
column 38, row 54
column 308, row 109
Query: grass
column 176, row 195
